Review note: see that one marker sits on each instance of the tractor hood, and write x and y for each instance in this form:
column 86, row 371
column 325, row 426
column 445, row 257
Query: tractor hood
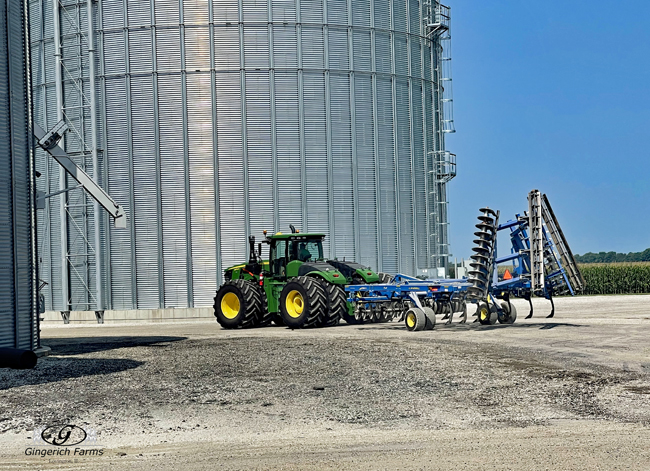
column 355, row 272
column 324, row 269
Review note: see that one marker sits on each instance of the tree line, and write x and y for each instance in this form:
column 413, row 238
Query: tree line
column 614, row 257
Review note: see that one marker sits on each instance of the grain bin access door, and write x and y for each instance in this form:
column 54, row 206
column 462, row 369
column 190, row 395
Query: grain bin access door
column 18, row 313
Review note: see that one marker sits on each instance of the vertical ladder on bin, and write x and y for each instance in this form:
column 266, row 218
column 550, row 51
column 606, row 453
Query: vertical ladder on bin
column 575, row 280
column 536, row 236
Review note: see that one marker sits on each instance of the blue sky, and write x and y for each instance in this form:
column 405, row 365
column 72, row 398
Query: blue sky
column 553, row 95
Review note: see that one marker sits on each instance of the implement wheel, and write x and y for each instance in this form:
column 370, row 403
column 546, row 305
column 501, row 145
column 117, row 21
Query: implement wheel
column 238, row 303
column 510, row 314
column 487, row 315
column 431, row 318
column 337, row 305
column 415, row 319
column 303, row 302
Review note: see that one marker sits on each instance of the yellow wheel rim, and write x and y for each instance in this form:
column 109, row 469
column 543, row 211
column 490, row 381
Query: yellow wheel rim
column 410, row 320
column 294, row 303
column 484, row 314
column 230, row 305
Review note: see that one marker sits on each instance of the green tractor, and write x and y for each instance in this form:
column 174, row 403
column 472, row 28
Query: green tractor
column 295, row 287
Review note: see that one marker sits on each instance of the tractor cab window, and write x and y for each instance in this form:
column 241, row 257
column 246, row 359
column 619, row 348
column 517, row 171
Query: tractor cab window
column 306, row 250
column 278, row 258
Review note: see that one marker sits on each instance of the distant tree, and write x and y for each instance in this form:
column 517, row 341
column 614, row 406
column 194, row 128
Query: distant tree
column 613, row 257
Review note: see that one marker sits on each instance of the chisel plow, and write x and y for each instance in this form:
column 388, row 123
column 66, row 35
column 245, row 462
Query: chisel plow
column 540, row 264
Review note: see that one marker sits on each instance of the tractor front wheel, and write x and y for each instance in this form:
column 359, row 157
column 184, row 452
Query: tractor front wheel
column 303, row 302
column 237, row 304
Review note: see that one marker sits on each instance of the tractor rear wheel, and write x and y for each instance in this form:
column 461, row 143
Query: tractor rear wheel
column 265, row 317
column 237, row 304
column 337, row 304
column 303, row 302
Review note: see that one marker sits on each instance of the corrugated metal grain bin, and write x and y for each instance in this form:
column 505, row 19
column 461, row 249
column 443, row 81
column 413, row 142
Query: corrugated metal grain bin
column 219, row 119
column 18, row 313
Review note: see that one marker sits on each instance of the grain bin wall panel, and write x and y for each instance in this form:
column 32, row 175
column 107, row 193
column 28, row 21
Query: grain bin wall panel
column 232, row 197
column 289, row 175
column 172, row 193
column 283, row 84
column 119, row 186
column 7, row 260
column 201, row 181
column 18, row 316
column 316, row 158
column 145, row 193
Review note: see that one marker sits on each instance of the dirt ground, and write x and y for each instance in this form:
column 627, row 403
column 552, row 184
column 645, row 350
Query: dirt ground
column 567, row 393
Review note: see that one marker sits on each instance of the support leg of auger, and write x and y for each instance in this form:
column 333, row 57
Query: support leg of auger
column 530, row 302
column 552, row 308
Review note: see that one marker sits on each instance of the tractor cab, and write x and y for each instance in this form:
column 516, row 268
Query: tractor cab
column 288, row 252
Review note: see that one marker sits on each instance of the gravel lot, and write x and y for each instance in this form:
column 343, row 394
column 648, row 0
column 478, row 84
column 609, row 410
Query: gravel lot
column 571, row 392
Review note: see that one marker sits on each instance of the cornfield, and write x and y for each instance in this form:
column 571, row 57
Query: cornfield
column 616, row 278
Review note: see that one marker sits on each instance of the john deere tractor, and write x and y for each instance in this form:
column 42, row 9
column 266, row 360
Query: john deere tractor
column 295, row 287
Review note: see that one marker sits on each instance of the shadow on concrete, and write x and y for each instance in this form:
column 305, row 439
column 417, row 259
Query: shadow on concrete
column 53, row 369
column 81, row 345
column 476, row 326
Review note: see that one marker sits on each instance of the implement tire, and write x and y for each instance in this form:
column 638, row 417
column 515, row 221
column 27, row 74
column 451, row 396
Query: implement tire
column 415, row 320
column 487, row 315
column 336, row 307
column 303, row 303
column 238, row 304
column 510, row 314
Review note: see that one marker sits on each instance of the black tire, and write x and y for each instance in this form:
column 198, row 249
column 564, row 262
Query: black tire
column 350, row 319
column 431, row 318
column 337, row 304
column 415, row 320
column 303, row 302
column 265, row 317
column 277, row 318
column 242, row 304
column 510, row 314
column 487, row 315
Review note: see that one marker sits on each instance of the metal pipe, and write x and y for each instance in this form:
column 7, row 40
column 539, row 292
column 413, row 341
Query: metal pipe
column 62, row 175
